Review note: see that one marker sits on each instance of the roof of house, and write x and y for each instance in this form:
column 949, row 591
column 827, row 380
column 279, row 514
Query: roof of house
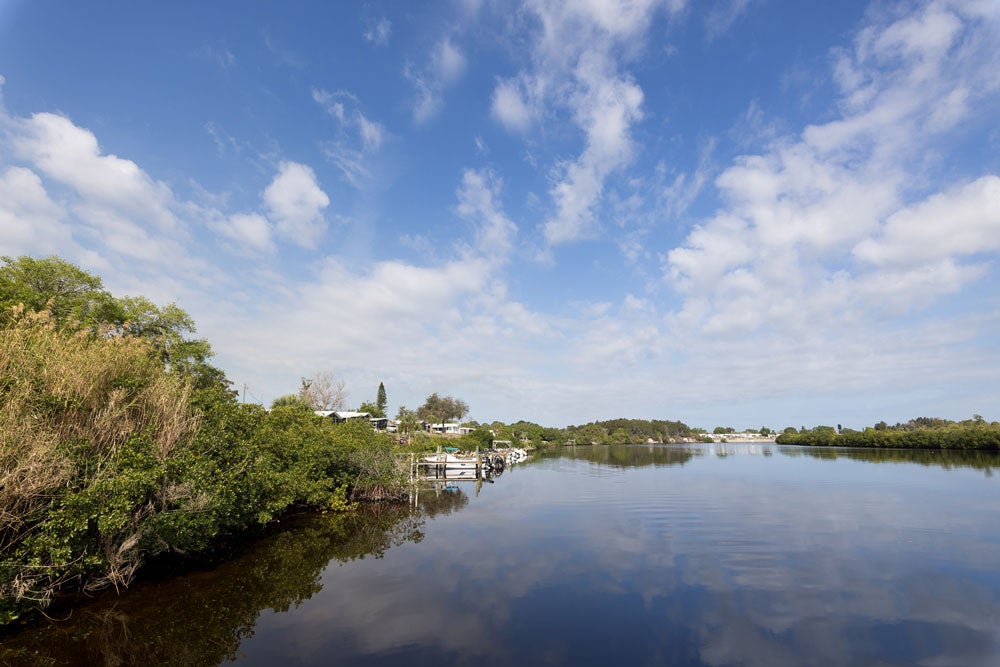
column 340, row 414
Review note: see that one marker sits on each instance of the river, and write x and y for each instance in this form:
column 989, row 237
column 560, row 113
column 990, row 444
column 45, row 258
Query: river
column 653, row 555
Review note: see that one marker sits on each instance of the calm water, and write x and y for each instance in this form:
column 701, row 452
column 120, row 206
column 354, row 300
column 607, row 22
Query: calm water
column 707, row 555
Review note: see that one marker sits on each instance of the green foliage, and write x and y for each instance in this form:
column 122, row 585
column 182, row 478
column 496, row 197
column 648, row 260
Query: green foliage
column 439, row 409
column 637, row 431
column 480, row 438
column 88, row 425
column 407, row 422
column 921, row 433
column 421, row 441
column 76, row 301
column 118, row 442
column 73, row 297
column 381, row 401
column 290, row 400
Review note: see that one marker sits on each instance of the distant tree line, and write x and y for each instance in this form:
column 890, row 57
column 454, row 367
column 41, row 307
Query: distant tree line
column 919, row 433
column 629, row 431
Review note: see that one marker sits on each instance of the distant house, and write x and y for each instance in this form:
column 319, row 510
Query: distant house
column 447, row 427
column 341, row 416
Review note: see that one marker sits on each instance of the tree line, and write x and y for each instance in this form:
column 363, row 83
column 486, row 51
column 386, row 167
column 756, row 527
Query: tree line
column 919, row 433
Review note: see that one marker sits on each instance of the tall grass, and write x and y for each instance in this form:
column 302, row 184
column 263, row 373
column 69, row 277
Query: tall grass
column 73, row 408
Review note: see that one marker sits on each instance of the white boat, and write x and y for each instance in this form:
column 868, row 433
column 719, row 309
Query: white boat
column 451, row 461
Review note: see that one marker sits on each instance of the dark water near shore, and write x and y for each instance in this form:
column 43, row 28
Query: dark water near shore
column 654, row 555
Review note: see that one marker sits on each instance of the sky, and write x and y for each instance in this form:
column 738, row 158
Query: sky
column 726, row 212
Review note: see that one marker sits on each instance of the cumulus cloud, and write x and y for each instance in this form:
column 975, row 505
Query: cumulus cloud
column 70, row 155
column 295, row 202
column 836, row 228
column 250, row 231
column 605, row 108
column 29, row 219
column 576, row 59
column 962, row 221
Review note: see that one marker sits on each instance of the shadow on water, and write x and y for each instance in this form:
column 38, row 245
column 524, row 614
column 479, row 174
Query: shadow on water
column 201, row 618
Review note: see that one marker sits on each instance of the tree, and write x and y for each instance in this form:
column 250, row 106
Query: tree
column 324, row 392
column 381, row 402
column 439, row 409
column 407, row 421
column 370, row 408
column 290, row 401
column 72, row 296
column 77, row 301
column 619, row 437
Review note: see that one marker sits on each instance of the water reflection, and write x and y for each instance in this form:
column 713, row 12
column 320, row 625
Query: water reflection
column 726, row 554
column 201, row 618
column 980, row 460
column 626, row 456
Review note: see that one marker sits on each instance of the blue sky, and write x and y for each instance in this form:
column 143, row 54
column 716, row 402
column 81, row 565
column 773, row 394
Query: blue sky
column 735, row 212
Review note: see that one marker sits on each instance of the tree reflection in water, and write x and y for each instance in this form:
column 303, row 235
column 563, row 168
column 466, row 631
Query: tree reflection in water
column 630, row 456
column 201, row 618
column 986, row 461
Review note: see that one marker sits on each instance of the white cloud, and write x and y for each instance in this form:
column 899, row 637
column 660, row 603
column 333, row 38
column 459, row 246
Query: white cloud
column 221, row 57
column 722, row 17
column 295, row 202
column 251, row 231
column 70, row 155
column 378, row 32
column 357, row 137
column 333, row 103
column 447, row 62
column 345, row 108
column 508, row 106
column 962, row 221
column 446, row 65
column 605, row 108
column 576, row 59
column 29, row 220
column 826, row 237
column 371, row 132
column 477, row 196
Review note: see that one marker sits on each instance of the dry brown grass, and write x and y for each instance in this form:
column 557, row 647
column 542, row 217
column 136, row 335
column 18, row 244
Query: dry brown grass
column 60, row 391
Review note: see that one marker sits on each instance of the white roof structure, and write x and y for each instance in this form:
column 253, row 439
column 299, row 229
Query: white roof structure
column 341, row 414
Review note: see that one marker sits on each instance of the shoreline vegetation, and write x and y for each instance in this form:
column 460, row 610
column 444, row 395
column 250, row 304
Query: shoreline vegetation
column 919, row 433
column 121, row 445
